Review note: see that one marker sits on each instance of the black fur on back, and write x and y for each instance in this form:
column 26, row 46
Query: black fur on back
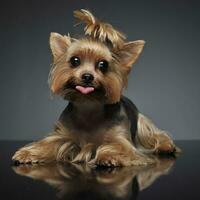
column 132, row 113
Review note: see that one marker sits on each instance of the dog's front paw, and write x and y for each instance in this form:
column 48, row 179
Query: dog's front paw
column 26, row 156
column 105, row 160
column 108, row 161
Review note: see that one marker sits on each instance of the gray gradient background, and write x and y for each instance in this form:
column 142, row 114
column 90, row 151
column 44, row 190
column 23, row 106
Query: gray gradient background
column 164, row 83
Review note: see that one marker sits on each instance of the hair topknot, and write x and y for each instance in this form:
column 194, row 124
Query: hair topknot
column 100, row 30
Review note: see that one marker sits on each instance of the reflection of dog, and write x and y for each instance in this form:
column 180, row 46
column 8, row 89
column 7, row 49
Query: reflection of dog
column 109, row 183
column 99, row 126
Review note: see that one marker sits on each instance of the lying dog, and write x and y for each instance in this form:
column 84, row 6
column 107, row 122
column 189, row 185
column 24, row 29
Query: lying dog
column 99, row 126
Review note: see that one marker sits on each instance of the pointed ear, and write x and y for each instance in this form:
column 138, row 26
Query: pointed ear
column 130, row 52
column 59, row 44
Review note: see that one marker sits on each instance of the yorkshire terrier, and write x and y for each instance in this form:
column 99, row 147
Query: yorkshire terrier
column 99, row 126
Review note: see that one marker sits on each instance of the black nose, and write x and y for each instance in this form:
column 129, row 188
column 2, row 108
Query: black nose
column 87, row 78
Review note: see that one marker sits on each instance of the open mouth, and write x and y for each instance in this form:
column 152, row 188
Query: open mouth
column 84, row 89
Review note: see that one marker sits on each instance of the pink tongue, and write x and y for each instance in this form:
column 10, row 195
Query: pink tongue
column 84, row 90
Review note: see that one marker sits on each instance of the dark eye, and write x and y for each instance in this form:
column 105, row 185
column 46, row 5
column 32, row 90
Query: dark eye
column 75, row 61
column 102, row 65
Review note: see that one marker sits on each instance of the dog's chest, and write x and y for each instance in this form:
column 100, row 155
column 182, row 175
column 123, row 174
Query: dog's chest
column 99, row 133
column 96, row 124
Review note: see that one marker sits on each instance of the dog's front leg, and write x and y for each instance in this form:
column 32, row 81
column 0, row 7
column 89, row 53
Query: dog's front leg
column 119, row 154
column 51, row 148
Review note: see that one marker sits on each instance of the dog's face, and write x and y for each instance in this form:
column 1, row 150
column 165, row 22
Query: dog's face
column 88, row 69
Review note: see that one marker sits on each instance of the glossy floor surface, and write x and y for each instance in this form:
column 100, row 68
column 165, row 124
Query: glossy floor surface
column 169, row 178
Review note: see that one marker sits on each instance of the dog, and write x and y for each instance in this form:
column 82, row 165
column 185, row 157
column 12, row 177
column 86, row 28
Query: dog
column 99, row 126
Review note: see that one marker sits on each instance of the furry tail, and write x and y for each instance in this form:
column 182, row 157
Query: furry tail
column 149, row 138
column 99, row 30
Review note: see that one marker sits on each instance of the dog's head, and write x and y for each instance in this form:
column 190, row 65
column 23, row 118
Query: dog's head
column 94, row 67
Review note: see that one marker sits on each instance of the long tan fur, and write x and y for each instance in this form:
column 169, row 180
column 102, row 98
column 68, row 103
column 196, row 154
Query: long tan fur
column 98, row 29
column 151, row 139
